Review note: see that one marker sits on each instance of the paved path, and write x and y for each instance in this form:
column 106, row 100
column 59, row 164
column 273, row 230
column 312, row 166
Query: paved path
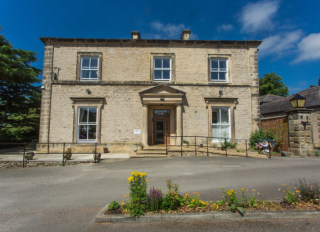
column 68, row 198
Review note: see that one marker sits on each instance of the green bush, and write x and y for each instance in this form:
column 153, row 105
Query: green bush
column 113, row 205
column 227, row 144
column 138, row 194
column 172, row 199
column 260, row 134
column 317, row 153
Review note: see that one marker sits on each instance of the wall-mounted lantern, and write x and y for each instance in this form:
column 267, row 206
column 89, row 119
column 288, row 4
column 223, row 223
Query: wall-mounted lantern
column 297, row 101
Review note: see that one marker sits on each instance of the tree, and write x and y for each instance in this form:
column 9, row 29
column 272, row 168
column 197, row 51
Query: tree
column 271, row 83
column 19, row 93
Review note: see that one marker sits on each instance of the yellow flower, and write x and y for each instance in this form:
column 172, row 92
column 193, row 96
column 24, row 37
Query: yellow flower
column 283, row 185
column 243, row 189
column 222, row 196
column 130, row 179
column 232, row 190
column 124, row 195
column 298, row 191
column 146, row 181
column 187, row 195
column 222, row 187
column 192, row 200
column 122, row 203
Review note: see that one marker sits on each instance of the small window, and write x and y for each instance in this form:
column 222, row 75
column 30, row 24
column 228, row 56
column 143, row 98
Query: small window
column 162, row 69
column 220, row 123
column 89, row 68
column 219, row 70
column 87, row 124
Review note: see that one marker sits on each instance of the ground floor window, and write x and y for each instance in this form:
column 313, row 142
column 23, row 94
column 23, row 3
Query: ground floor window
column 220, row 123
column 87, row 124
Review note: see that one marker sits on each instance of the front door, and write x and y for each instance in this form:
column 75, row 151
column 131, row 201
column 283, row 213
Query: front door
column 159, row 131
column 160, row 126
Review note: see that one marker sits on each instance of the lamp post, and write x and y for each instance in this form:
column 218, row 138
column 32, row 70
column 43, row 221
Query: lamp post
column 297, row 101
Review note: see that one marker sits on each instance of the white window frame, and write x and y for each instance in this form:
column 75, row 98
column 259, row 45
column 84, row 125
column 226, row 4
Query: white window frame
column 218, row 69
column 162, row 69
column 221, row 124
column 89, row 69
column 87, row 124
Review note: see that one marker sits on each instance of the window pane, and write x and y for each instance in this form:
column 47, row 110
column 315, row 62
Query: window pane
column 215, row 115
column 83, row 115
column 214, row 76
column 222, row 65
column 85, row 63
column 166, row 74
column 157, row 74
column 92, row 115
column 166, row 63
column 83, row 132
column 93, row 74
column 214, row 64
column 158, row 63
column 222, row 76
column 225, row 131
column 85, row 74
column 215, row 131
column 92, row 132
column 224, row 115
column 94, row 63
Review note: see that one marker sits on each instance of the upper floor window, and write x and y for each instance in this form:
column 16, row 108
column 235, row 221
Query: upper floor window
column 89, row 68
column 162, row 68
column 219, row 70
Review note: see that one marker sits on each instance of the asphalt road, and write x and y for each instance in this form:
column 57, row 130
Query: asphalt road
column 68, row 198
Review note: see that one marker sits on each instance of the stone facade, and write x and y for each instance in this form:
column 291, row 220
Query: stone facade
column 126, row 70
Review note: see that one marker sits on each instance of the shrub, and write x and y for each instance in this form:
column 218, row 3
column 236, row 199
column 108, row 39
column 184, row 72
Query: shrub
column 195, row 201
column 154, row 199
column 309, row 191
column 172, row 200
column 259, row 135
column 138, row 191
column 233, row 202
column 317, row 153
column 291, row 195
column 227, row 144
column 113, row 205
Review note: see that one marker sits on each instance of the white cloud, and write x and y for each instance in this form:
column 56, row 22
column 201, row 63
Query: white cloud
column 258, row 16
column 309, row 48
column 280, row 44
column 225, row 27
column 168, row 31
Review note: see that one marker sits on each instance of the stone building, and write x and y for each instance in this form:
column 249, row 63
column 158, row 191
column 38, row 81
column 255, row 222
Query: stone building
column 141, row 91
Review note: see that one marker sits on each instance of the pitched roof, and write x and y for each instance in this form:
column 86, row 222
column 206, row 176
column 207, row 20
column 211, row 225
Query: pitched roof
column 312, row 100
column 270, row 98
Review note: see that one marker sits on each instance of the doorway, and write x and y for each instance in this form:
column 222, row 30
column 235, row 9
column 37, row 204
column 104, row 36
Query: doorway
column 160, row 126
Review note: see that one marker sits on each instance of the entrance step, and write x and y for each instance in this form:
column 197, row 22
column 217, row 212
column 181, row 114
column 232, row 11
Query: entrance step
column 152, row 151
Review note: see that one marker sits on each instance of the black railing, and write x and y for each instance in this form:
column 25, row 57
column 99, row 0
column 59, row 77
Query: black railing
column 52, row 149
column 205, row 143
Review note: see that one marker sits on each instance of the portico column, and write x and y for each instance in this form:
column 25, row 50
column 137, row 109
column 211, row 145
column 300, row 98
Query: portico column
column 179, row 123
column 145, row 126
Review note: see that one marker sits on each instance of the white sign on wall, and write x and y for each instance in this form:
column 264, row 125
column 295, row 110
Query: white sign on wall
column 137, row 131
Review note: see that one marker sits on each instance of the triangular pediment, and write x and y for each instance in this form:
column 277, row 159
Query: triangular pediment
column 162, row 90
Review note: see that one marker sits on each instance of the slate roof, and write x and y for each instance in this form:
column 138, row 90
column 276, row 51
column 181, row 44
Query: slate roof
column 282, row 105
column 270, row 98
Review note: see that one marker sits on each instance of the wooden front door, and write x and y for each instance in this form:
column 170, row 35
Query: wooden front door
column 160, row 127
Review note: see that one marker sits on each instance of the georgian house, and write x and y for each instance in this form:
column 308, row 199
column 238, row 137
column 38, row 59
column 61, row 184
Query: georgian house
column 142, row 91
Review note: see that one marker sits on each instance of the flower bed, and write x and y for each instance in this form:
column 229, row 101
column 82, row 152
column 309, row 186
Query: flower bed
column 138, row 202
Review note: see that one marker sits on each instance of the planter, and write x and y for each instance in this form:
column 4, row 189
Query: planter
column 68, row 156
column 105, row 150
column 29, row 155
column 97, row 157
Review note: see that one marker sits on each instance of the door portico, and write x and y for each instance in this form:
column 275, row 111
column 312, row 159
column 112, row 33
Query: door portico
column 162, row 115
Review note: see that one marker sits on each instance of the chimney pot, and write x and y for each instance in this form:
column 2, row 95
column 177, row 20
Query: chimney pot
column 135, row 35
column 185, row 35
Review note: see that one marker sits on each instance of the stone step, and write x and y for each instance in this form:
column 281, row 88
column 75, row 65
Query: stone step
column 152, row 152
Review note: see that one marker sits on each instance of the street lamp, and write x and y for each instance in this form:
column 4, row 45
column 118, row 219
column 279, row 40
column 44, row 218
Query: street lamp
column 297, row 101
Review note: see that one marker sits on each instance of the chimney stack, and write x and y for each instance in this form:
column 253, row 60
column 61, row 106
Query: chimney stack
column 185, row 35
column 135, row 35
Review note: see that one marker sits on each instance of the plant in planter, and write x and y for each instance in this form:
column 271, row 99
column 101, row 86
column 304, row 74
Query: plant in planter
column 186, row 143
column 29, row 155
column 105, row 150
column 96, row 156
column 68, row 154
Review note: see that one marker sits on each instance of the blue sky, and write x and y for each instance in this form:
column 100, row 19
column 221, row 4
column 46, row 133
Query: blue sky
column 290, row 29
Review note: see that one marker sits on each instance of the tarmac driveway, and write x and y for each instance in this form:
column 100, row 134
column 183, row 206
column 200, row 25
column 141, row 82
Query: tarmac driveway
column 68, row 198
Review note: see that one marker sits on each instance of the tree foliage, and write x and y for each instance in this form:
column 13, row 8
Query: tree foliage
column 271, row 83
column 19, row 93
